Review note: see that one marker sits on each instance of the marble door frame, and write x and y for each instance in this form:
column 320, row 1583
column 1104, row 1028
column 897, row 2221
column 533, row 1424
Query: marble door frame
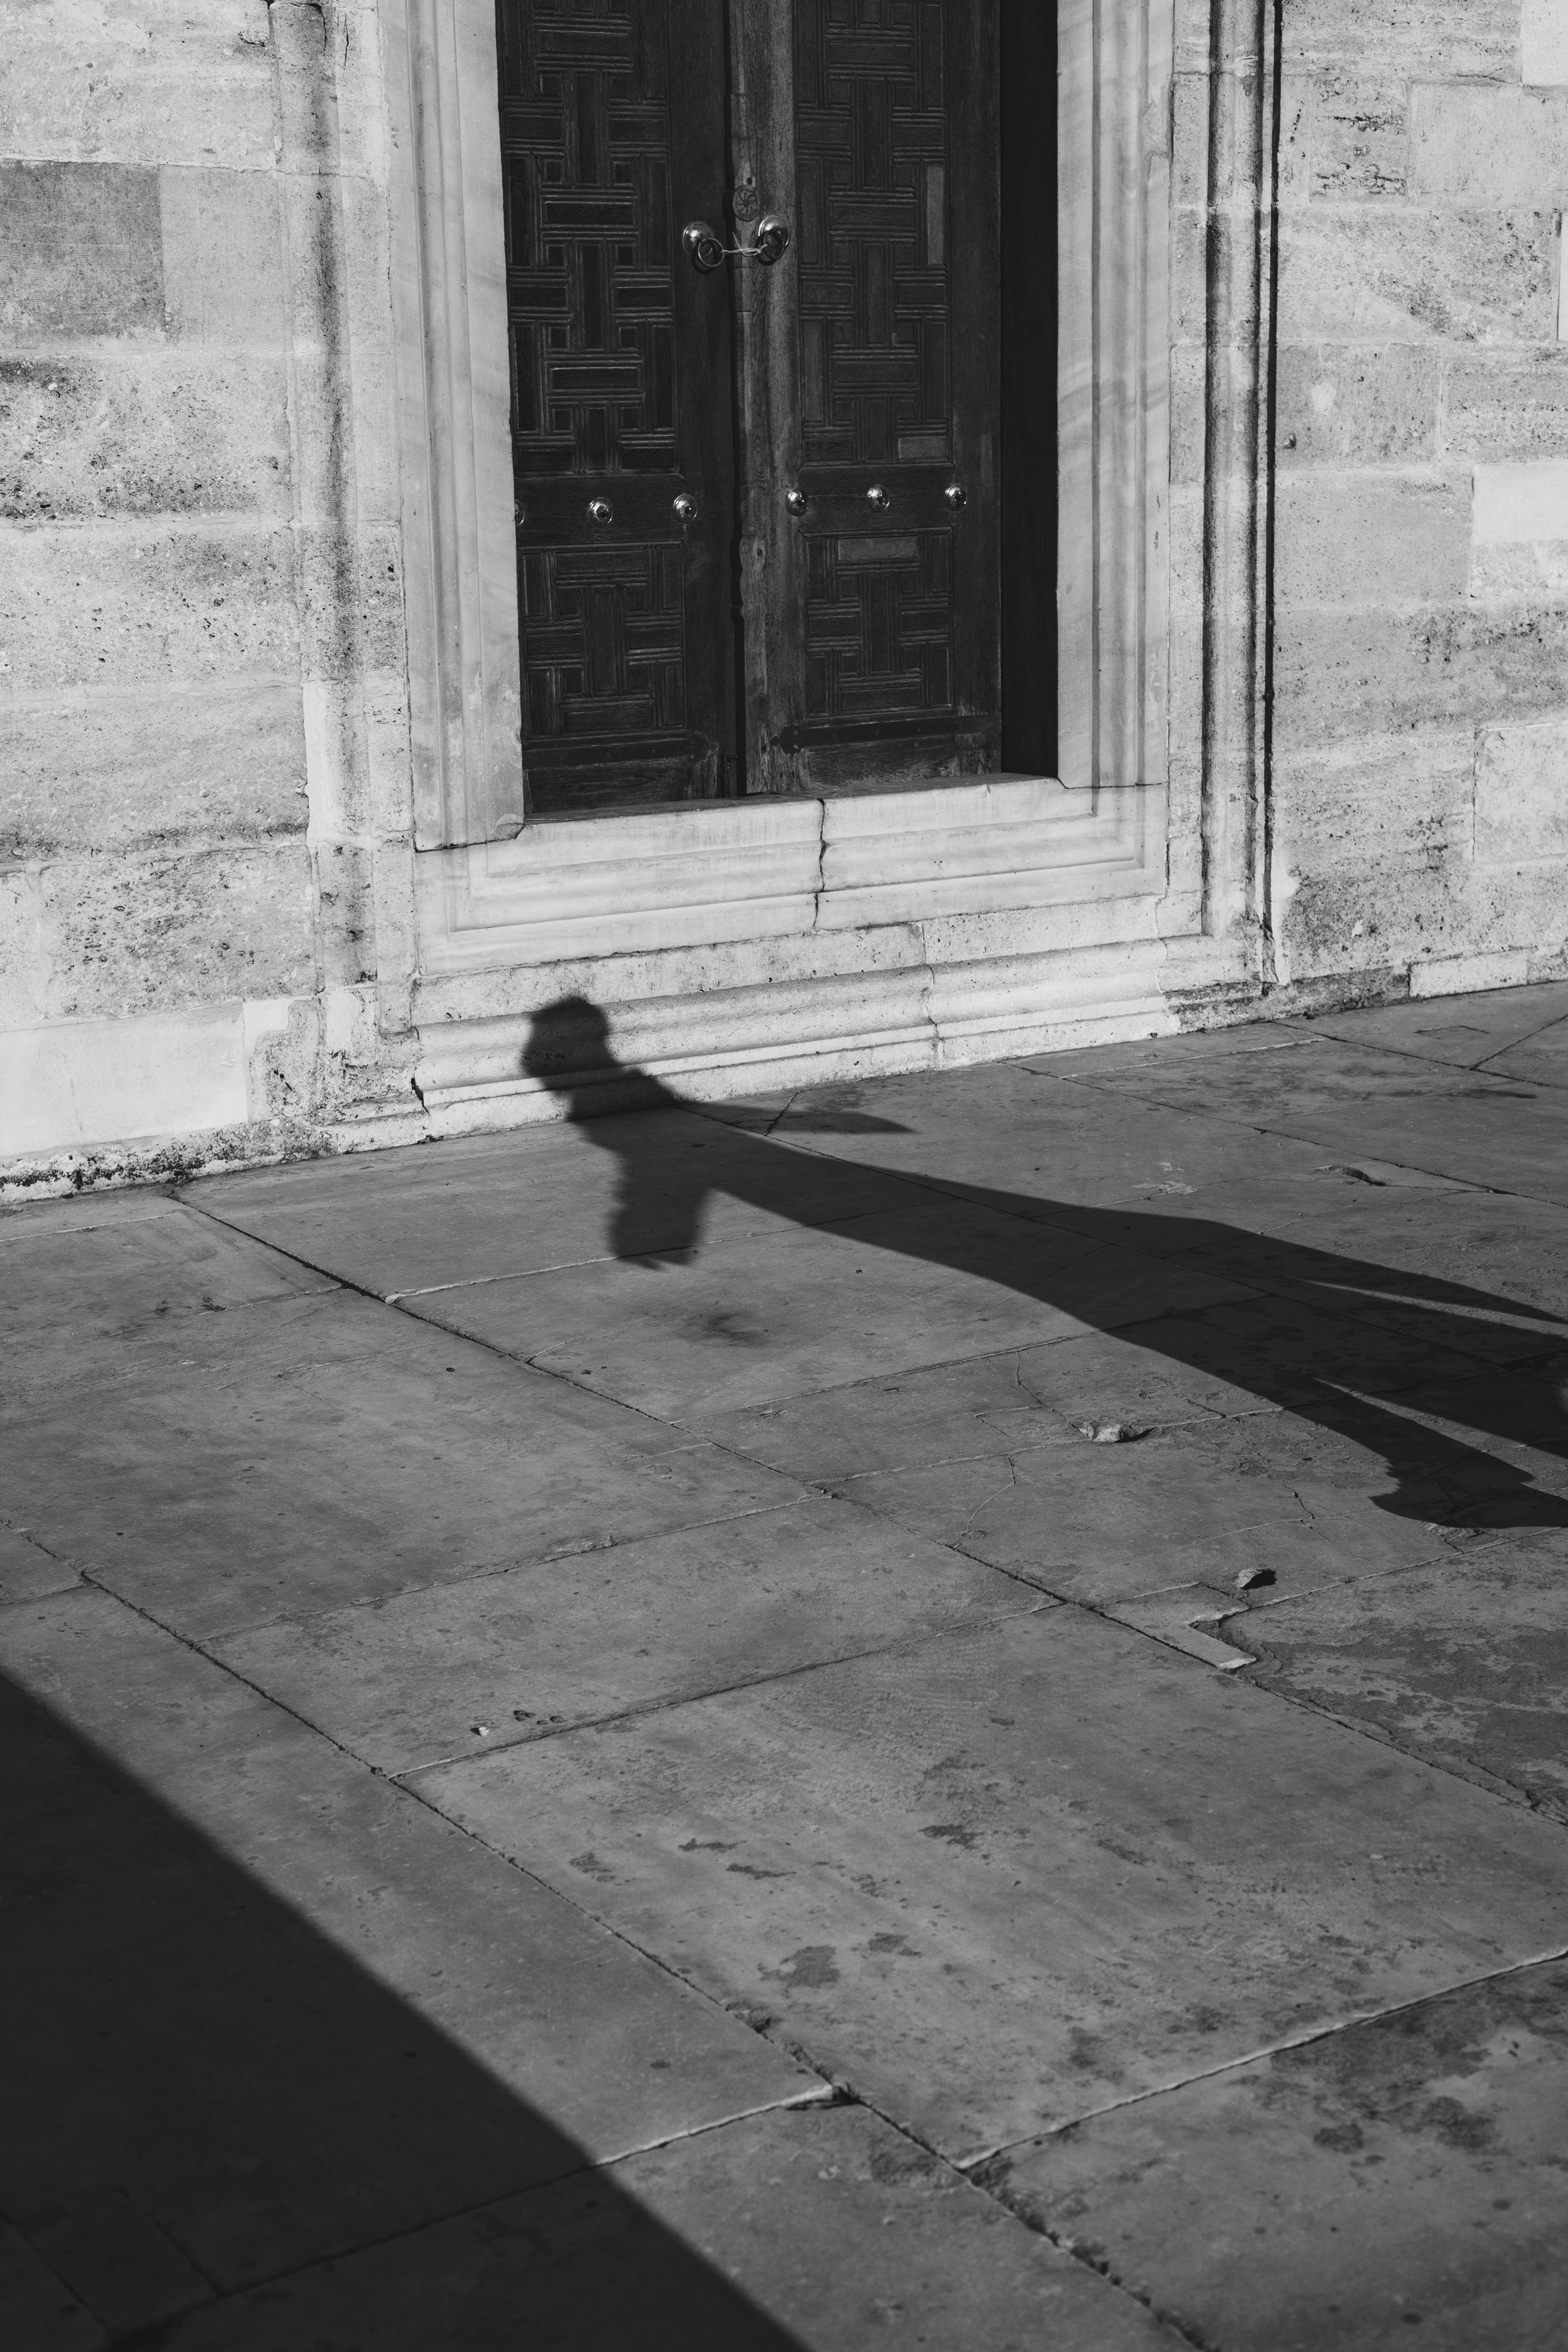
column 1164, row 282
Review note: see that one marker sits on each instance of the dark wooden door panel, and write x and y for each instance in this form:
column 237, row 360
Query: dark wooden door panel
column 622, row 399
column 870, row 364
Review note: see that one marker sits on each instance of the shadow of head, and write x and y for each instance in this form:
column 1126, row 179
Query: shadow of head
column 568, row 1052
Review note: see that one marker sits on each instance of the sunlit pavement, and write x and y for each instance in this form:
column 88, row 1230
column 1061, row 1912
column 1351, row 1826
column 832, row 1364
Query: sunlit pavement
column 928, row 1713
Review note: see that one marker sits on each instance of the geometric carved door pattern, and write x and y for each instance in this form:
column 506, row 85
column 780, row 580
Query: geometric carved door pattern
column 855, row 558
column 621, row 403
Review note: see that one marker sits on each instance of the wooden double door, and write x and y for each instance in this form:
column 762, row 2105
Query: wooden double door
column 757, row 504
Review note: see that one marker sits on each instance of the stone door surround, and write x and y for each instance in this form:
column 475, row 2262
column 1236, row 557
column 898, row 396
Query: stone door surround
column 496, row 893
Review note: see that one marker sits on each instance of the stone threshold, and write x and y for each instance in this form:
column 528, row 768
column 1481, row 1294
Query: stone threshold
column 711, row 872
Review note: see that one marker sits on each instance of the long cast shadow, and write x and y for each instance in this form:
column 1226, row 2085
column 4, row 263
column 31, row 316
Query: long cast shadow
column 216, row 2129
column 1305, row 1341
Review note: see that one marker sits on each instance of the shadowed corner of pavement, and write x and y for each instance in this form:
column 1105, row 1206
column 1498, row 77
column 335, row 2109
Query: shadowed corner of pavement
column 221, row 2134
column 1361, row 1334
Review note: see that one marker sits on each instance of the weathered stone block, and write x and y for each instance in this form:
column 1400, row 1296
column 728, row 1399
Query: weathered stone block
column 80, row 251
column 222, row 257
column 23, row 957
column 1376, row 798
column 147, row 81
column 388, row 755
column 1461, row 975
column 351, row 603
column 1521, row 795
column 74, row 1087
column 1356, row 404
column 1342, row 675
column 345, row 914
column 1410, row 36
column 101, row 607
column 1486, row 145
column 1497, row 405
column 1353, row 539
column 1544, row 38
column 1189, row 283
column 359, row 70
column 1189, row 379
column 372, row 355
column 129, row 934
column 1359, row 138
column 125, row 768
column 1190, row 139
column 144, row 431
column 1298, row 97
column 1386, row 913
column 1448, row 919
column 1358, row 272
column 1520, row 529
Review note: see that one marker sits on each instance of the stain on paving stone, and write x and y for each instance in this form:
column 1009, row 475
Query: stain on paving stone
column 1401, row 2174
column 1153, row 1844
column 1464, row 1662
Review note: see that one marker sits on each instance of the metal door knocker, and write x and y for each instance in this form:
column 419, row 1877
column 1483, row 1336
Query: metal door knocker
column 707, row 251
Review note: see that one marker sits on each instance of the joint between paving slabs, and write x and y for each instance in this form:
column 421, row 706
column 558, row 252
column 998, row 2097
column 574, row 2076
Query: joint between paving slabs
column 1304, row 2040
column 666, row 1701
column 415, row 1796
column 1252, row 1127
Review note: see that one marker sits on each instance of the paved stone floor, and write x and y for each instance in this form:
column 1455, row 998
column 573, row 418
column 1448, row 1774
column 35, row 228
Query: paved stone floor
column 928, row 1713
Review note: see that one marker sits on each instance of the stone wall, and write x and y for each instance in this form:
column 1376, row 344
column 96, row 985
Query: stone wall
column 208, row 945
column 204, row 858
column 1419, row 818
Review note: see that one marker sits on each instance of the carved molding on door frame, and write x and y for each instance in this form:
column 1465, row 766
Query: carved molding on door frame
column 454, row 416
column 1113, row 183
column 1126, row 282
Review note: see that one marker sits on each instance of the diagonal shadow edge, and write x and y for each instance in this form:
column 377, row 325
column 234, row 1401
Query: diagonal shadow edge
column 207, row 2097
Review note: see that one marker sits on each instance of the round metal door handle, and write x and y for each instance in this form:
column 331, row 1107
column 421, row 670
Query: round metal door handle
column 600, row 511
column 795, row 500
column 954, row 495
column 771, row 242
column 878, row 496
column 705, row 249
column 685, row 510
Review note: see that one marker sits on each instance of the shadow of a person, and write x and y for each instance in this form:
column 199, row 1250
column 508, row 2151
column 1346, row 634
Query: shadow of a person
column 1356, row 1347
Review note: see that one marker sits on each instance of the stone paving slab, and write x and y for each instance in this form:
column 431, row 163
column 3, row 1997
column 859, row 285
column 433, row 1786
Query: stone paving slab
column 825, row 2230
column 779, row 1316
column 70, row 1298
column 491, row 1207
column 1212, row 1504
column 1469, row 1030
column 1263, row 1210
column 83, row 1213
column 333, row 1451
column 1463, row 1661
column 1015, row 1402
column 1354, row 1100
column 27, row 1570
column 1399, row 2183
column 425, row 1676
column 1050, row 1146
column 1004, row 1878
column 37, row 2306
column 275, row 2001
column 1541, row 1061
